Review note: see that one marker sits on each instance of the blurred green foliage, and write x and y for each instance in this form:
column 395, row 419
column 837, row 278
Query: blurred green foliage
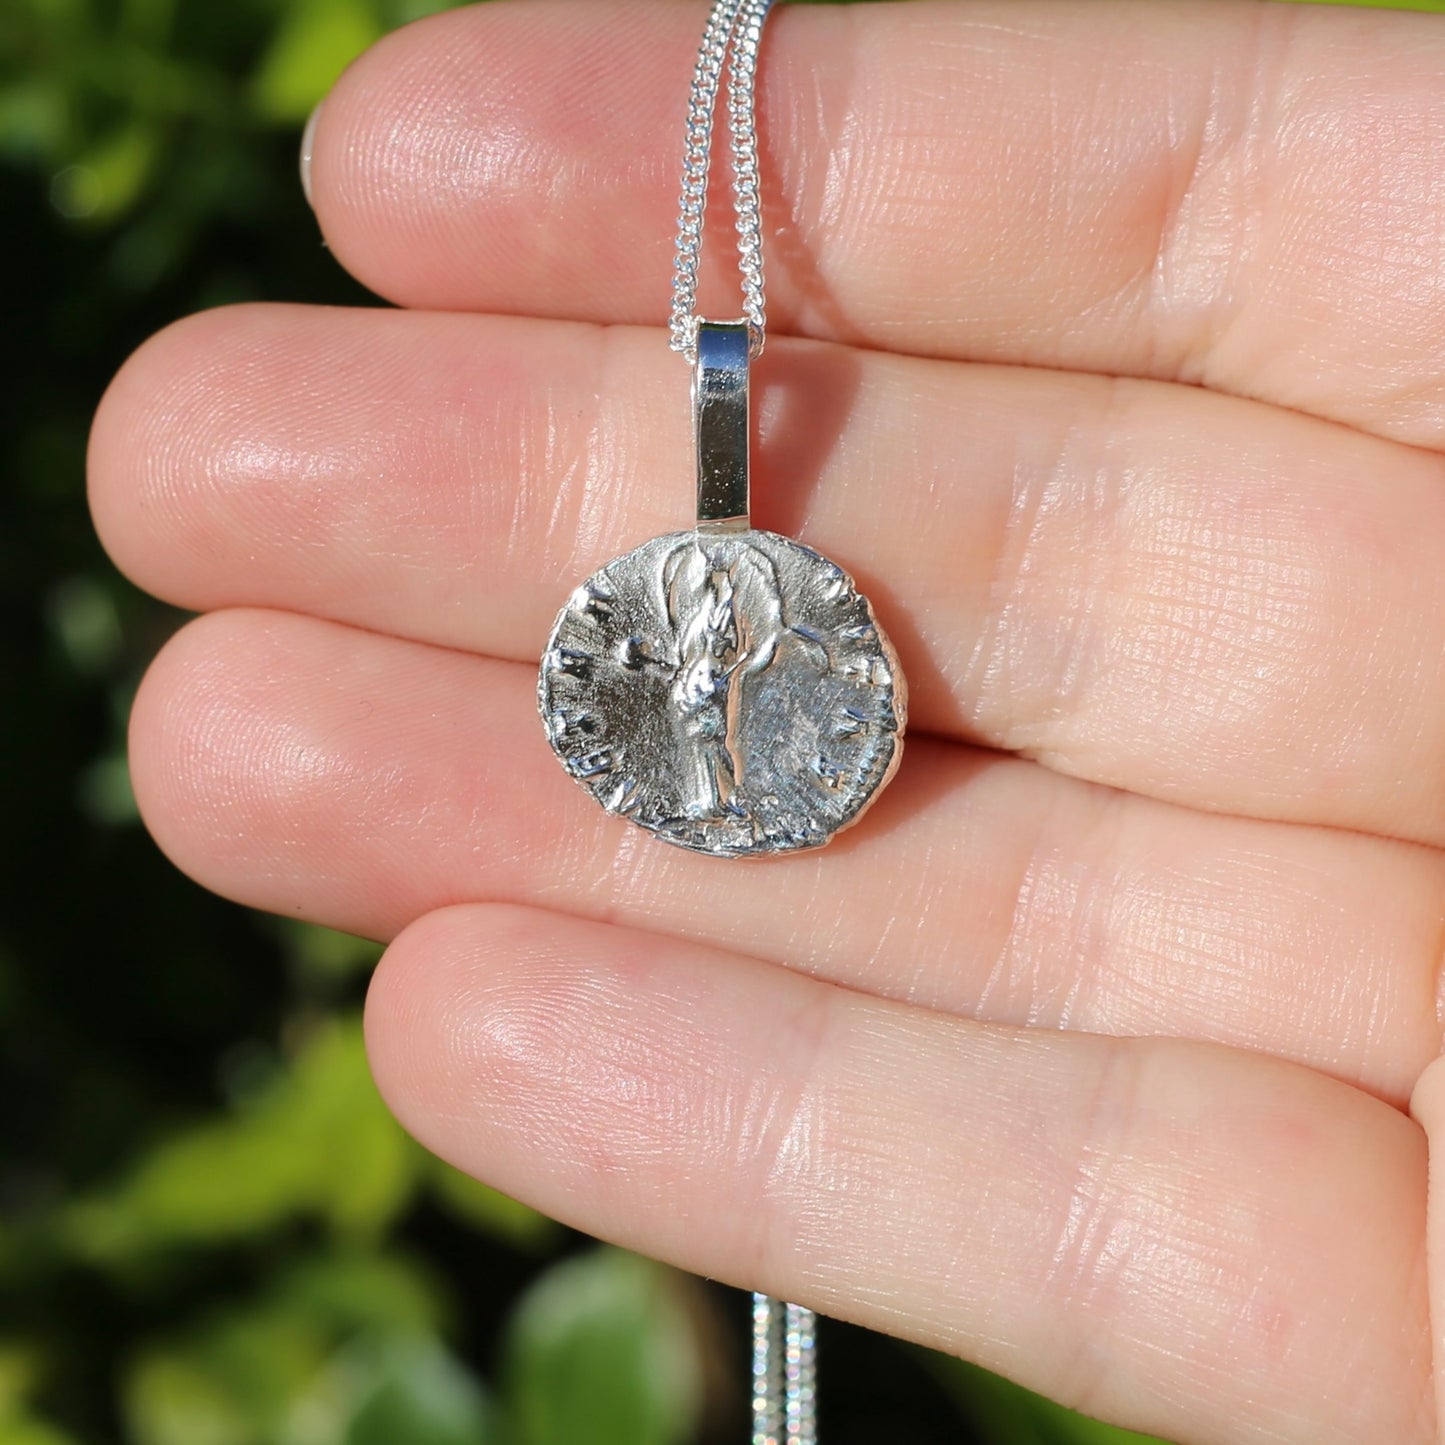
column 211, row 1232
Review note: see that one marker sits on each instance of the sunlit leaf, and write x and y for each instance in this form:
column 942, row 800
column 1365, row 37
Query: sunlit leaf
column 217, row 1181
column 171, row 1401
column 102, row 183
column 600, row 1351
column 364, row 1166
column 233, row 1381
column 316, row 41
column 19, row 1372
column 339, row 1351
column 25, row 1429
column 317, row 1141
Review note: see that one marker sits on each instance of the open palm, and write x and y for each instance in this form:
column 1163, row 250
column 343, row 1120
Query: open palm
column 1109, row 354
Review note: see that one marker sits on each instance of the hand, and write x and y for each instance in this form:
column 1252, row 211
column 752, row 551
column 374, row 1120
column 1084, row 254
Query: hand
column 1119, row 382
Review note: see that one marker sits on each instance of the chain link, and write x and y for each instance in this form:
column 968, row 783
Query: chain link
column 785, row 1392
column 731, row 41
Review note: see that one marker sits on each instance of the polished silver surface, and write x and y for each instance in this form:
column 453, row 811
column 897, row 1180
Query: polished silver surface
column 732, row 693
column 720, row 423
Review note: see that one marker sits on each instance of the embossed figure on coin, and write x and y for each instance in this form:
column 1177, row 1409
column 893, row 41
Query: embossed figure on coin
column 727, row 618
column 731, row 693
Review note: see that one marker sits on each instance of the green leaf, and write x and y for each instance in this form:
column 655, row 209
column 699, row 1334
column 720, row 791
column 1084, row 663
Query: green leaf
column 33, row 120
column 316, row 1141
column 415, row 1392
column 354, row 1293
column 363, row 1166
column 336, row 1352
column 317, row 39
column 395, row 13
column 103, row 791
column 83, row 618
column 232, row 1382
column 28, row 1430
column 20, row 1369
column 103, row 182
column 601, row 1351
column 215, row 1182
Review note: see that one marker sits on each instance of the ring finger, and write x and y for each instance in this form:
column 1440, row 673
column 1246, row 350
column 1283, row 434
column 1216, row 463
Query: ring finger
column 361, row 781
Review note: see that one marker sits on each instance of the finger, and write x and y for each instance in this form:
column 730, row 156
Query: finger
column 1148, row 586
column 307, row 769
column 1236, row 194
column 1191, row 1241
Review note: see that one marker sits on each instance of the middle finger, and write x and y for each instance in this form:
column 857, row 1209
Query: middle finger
column 1146, row 585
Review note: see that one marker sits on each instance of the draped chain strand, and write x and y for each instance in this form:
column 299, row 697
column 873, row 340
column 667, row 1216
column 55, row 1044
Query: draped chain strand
column 730, row 44
column 784, row 1360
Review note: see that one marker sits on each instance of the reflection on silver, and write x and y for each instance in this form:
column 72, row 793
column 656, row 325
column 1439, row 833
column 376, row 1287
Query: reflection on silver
column 726, row 617
column 730, row 692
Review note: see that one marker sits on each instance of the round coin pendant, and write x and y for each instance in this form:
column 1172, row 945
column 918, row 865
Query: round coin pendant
column 731, row 692
column 728, row 689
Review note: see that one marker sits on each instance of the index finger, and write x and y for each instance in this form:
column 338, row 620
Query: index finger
column 1242, row 195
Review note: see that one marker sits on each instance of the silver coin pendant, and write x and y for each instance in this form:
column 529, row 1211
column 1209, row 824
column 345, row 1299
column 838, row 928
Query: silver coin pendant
column 731, row 692
column 728, row 689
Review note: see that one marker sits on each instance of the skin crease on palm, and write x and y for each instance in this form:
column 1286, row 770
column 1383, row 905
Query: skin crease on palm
column 1108, row 350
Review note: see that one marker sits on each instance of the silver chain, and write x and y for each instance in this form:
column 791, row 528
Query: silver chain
column 784, row 1373
column 734, row 33
column 784, row 1364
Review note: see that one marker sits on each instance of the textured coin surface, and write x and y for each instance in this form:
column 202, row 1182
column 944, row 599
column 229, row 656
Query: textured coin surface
column 730, row 692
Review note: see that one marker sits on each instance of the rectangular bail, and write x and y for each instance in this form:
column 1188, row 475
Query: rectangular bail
column 720, row 419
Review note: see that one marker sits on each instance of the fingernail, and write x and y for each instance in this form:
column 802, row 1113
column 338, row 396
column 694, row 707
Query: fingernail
column 307, row 136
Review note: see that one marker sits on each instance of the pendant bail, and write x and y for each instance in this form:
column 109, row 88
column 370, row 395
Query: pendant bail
column 720, row 420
